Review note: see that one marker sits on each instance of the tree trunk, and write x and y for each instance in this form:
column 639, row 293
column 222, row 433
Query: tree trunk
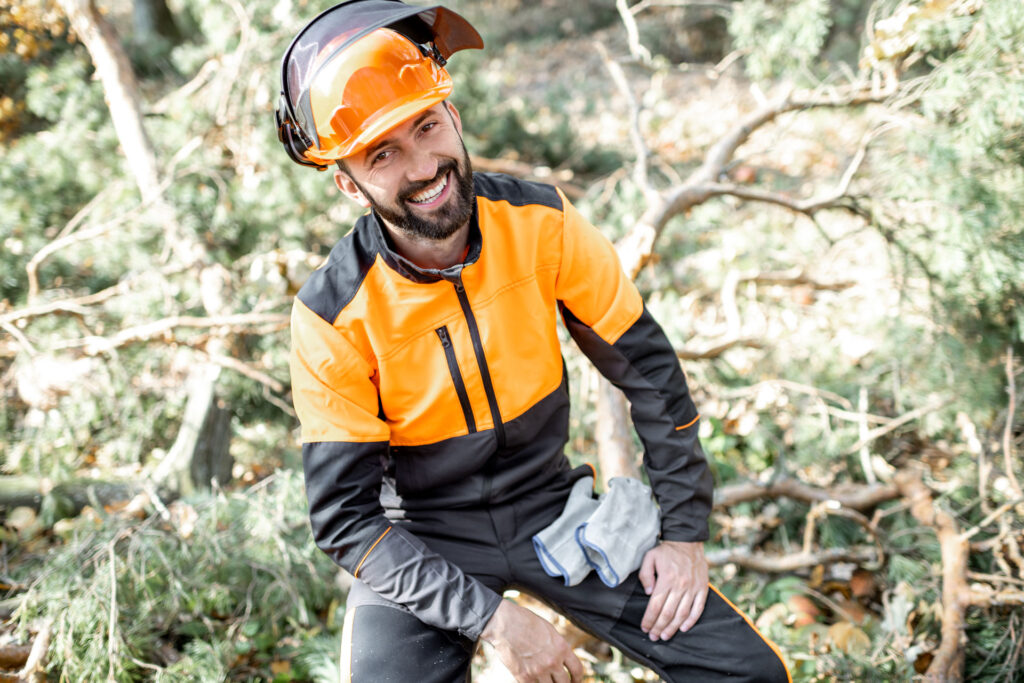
column 615, row 450
column 205, row 433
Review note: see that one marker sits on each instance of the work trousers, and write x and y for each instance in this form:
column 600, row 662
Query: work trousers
column 384, row 642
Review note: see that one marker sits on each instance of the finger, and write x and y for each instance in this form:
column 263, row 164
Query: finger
column 681, row 613
column 646, row 574
column 654, row 607
column 696, row 610
column 575, row 668
column 667, row 613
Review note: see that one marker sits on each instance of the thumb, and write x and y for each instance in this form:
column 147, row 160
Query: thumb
column 646, row 574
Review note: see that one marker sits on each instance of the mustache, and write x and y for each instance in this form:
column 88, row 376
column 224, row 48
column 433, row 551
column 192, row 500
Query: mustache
column 442, row 170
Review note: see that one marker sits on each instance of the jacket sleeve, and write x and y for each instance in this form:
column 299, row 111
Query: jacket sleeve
column 606, row 316
column 345, row 445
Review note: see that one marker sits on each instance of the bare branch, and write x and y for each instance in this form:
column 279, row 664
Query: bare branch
column 92, row 346
column 636, row 49
column 718, row 350
column 744, row 557
column 1011, row 389
column 793, row 278
column 852, row 496
column 948, row 663
column 712, row 4
column 244, row 369
column 897, row 423
column 529, row 172
column 640, row 176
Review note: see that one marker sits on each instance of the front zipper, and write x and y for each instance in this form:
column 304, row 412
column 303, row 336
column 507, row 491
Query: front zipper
column 453, row 369
column 478, row 350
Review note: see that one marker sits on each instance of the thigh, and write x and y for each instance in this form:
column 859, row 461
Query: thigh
column 723, row 645
column 384, row 642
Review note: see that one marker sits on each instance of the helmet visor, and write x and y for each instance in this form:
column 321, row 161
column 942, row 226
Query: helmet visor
column 373, row 85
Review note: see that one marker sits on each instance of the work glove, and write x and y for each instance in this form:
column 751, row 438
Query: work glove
column 621, row 530
column 556, row 544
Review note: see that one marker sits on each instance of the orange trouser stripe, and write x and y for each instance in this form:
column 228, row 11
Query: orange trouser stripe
column 747, row 619
column 360, row 565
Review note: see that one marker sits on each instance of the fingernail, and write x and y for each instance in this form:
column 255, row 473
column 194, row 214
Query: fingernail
column 647, row 590
column 653, row 637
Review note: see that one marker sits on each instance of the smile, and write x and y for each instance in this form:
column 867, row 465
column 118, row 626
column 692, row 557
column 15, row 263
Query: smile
column 431, row 195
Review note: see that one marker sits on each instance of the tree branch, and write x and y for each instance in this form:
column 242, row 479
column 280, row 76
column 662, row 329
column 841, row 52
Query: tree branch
column 897, row 423
column 94, row 346
column 718, row 350
column 744, row 557
column 856, row 497
column 948, row 662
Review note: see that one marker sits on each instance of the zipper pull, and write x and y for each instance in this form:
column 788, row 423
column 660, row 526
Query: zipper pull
column 442, row 333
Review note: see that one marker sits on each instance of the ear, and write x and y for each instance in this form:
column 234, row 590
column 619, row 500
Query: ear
column 456, row 119
column 349, row 188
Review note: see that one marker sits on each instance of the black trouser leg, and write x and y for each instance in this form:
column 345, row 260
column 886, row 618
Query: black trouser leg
column 384, row 643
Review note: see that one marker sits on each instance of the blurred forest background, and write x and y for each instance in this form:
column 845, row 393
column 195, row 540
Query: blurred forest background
column 820, row 199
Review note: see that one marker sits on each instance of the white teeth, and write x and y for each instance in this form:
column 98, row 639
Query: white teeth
column 430, row 193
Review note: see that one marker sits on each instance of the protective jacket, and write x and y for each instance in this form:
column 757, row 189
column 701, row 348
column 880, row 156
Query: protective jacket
column 422, row 391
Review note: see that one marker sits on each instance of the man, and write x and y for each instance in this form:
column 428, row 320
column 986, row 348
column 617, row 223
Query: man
column 427, row 375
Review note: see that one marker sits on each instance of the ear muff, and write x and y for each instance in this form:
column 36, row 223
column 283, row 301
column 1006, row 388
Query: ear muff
column 292, row 137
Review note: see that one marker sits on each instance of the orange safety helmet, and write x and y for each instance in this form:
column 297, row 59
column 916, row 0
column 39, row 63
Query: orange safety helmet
column 360, row 69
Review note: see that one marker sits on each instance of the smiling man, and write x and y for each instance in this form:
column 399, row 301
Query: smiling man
column 428, row 378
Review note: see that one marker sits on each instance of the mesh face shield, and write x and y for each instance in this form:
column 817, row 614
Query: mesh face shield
column 341, row 87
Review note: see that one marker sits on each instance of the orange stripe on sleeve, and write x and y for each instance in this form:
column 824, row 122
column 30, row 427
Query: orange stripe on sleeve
column 688, row 424
column 360, row 566
column 770, row 644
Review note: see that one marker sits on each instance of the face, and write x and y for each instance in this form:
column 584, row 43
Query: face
column 417, row 177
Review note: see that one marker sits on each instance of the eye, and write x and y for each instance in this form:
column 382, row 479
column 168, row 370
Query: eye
column 382, row 156
column 428, row 126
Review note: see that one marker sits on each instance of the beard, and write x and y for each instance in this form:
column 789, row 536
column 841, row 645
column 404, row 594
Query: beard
column 447, row 219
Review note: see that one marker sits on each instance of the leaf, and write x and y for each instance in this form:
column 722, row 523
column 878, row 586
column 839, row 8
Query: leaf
column 849, row 638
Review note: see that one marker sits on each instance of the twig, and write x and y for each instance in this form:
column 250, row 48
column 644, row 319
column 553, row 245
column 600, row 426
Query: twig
column 34, row 669
column 794, row 277
column 1011, row 388
column 713, row 4
column 862, row 426
column 244, row 369
column 112, row 620
column 717, row 350
column 640, row 175
column 636, row 49
column 791, row 386
column 19, row 337
column 993, row 516
column 897, row 423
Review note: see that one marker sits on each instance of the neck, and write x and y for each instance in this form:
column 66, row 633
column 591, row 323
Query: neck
column 428, row 253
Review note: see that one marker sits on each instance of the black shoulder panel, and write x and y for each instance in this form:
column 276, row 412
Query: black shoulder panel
column 499, row 187
column 330, row 288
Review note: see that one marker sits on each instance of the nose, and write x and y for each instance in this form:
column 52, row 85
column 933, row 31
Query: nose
column 422, row 166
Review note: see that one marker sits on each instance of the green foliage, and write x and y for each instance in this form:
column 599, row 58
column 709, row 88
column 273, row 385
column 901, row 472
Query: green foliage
column 780, row 37
column 228, row 579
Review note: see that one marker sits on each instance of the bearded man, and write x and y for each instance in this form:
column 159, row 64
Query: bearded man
column 428, row 378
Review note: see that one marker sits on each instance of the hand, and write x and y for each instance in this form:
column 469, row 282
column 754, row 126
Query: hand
column 530, row 647
column 675, row 575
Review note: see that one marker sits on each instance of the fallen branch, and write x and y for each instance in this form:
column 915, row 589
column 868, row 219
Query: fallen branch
column 746, row 558
column 948, row 661
column 94, row 346
column 529, row 172
column 794, row 278
column 1011, row 389
column 35, row 666
column 897, row 423
column 853, row 496
column 718, row 350
column 79, row 305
